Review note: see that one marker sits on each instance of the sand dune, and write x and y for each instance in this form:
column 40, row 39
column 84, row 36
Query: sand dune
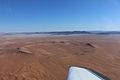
column 49, row 58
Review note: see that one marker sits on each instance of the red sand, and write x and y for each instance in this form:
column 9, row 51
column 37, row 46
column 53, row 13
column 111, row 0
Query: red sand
column 48, row 58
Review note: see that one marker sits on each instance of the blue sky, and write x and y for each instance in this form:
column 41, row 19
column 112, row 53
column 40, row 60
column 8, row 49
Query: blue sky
column 59, row 15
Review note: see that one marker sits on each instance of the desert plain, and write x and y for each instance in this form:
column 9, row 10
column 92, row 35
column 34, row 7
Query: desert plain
column 49, row 58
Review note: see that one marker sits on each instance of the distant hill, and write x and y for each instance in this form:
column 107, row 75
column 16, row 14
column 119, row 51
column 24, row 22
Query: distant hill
column 108, row 32
column 67, row 33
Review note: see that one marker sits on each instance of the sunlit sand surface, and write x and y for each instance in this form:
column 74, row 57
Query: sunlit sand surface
column 49, row 58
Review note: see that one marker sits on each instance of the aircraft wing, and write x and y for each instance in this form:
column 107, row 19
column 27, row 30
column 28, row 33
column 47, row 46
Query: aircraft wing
column 76, row 73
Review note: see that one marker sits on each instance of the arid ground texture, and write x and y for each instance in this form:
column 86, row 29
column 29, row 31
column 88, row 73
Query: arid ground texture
column 49, row 58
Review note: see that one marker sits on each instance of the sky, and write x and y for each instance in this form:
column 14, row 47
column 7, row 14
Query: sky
column 59, row 15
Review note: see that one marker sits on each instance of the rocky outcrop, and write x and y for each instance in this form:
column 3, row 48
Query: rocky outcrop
column 24, row 50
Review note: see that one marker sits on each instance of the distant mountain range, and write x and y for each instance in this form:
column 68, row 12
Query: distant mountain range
column 67, row 33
